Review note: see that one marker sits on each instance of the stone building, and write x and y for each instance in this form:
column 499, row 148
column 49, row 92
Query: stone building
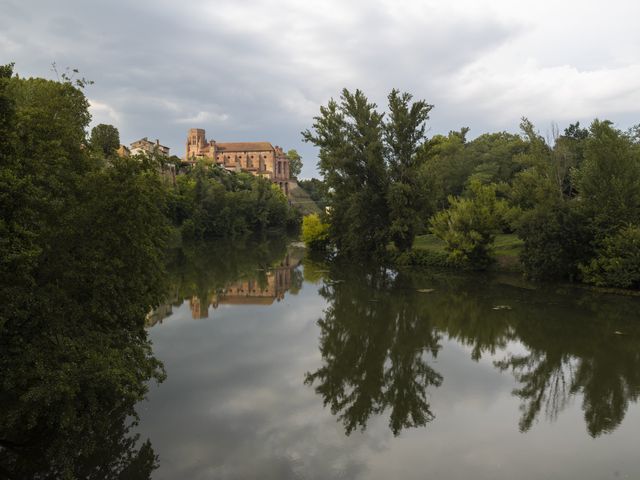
column 123, row 151
column 145, row 146
column 258, row 158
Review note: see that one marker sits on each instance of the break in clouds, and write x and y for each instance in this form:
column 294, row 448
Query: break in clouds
column 259, row 70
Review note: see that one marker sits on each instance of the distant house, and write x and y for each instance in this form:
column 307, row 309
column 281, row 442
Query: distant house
column 123, row 151
column 146, row 147
column 258, row 158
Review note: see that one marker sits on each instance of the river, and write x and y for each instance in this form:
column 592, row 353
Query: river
column 280, row 367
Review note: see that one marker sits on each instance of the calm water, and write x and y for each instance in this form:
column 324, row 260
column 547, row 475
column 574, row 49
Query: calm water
column 280, row 368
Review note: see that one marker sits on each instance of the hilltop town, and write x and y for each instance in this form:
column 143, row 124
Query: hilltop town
column 258, row 158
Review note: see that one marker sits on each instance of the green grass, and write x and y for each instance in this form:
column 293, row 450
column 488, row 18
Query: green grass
column 506, row 244
column 506, row 250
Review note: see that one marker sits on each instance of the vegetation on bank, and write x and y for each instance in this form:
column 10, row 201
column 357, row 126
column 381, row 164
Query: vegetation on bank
column 210, row 202
column 573, row 199
column 83, row 239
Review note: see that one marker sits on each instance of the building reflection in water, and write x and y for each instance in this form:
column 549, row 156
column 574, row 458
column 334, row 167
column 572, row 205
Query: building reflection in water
column 263, row 288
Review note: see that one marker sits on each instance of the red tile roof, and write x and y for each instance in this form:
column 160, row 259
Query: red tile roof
column 244, row 147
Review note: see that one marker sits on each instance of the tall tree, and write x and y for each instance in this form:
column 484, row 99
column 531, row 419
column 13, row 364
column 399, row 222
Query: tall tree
column 349, row 135
column 404, row 135
column 295, row 162
column 80, row 266
column 608, row 180
column 105, row 139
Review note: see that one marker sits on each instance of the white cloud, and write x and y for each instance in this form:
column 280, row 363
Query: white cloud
column 260, row 69
column 204, row 118
column 102, row 112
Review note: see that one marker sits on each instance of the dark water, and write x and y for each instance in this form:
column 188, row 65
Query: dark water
column 278, row 367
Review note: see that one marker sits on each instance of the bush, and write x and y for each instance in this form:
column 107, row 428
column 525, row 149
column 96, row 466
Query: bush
column 469, row 226
column 555, row 241
column 617, row 263
column 315, row 233
column 423, row 258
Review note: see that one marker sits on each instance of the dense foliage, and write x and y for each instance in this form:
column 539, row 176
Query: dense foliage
column 469, row 225
column 317, row 190
column 315, row 233
column 83, row 237
column 80, row 266
column 105, row 139
column 210, row 202
column 573, row 198
column 371, row 171
column 295, row 162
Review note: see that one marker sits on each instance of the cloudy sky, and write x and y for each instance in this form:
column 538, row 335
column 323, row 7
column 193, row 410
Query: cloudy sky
column 259, row 69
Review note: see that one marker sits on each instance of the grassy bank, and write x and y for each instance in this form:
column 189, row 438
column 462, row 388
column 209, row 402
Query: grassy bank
column 429, row 250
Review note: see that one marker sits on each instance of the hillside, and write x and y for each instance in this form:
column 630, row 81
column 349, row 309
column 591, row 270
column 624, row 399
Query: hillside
column 301, row 199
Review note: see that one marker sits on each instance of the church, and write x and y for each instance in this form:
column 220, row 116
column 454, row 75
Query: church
column 258, row 158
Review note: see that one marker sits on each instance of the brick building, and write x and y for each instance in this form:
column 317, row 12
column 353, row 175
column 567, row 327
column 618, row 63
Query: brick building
column 258, row 158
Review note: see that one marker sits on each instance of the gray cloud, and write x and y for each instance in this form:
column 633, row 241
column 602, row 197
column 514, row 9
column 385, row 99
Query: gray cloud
column 260, row 69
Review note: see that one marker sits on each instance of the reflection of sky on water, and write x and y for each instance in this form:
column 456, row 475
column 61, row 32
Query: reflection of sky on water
column 234, row 406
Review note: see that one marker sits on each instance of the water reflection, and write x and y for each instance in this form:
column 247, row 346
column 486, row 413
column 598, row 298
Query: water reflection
column 68, row 398
column 373, row 343
column 380, row 330
column 243, row 273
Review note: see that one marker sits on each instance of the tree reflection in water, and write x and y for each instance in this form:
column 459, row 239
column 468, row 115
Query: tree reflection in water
column 589, row 350
column 68, row 396
column 373, row 344
column 378, row 327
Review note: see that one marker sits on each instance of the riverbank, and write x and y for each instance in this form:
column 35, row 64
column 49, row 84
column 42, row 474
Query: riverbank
column 429, row 251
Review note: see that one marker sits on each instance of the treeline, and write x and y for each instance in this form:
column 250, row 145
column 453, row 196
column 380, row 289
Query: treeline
column 83, row 241
column 573, row 198
column 81, row 264
column 211, row 202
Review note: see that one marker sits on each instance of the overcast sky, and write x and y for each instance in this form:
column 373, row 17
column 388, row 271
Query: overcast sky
column 258, row 70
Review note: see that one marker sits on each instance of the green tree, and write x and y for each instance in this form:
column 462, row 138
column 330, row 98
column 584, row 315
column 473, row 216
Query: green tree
column 617, row 261
column 105, row 139
column 493, row 156
column 469, row 225
column 556, row 239
column 349, row 135
column 295, row 162
column 608, row 181
column 315, row 233
column 445, row 167
column 403, row 135
column 81, row 263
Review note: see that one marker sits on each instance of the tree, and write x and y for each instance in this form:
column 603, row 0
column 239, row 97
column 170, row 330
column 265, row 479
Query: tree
column 295, row 162
column 81, row 264
column 445, row 167
column 105, row 139
column 617, row 263
column 349, row 135
column 403, row 135
column 315, row 233
column 608, row 181
column 493, row 156
column 556, row 239
column 469, row 226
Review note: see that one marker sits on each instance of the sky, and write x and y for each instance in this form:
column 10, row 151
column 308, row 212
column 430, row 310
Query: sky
column 259, row 70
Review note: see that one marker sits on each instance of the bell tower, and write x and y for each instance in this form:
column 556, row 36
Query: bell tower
column 196, row 141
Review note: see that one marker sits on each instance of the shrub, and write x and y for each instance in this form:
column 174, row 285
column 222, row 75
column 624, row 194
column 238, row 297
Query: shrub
column 617, row 263
column 315, row 233
column 555, row 241
column 469, row 226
